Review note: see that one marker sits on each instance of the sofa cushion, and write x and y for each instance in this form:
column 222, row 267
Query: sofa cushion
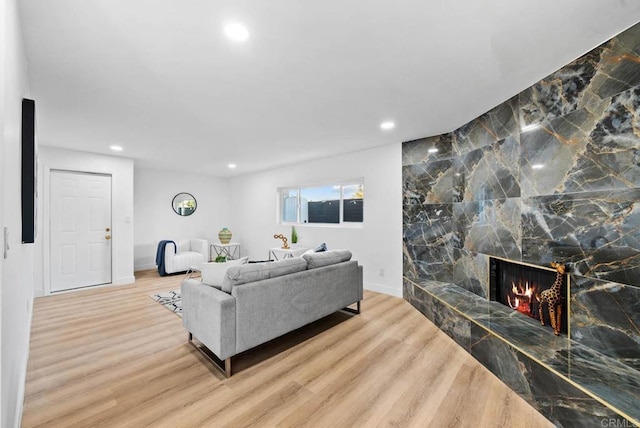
column 326, row 258
column 213, row 273
column 238, row 275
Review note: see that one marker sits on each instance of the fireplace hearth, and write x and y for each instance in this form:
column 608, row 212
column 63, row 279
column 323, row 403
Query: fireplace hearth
column 520, row 287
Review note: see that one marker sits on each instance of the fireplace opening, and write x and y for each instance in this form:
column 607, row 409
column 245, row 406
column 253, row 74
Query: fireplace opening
column 520, row 287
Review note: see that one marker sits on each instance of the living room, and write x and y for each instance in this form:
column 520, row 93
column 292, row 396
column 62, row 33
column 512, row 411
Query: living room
column 246, row 203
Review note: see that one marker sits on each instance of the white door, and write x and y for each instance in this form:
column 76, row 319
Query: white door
column 80, row 230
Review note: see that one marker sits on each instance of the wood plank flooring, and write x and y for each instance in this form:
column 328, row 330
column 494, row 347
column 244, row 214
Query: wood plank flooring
column 112, row 357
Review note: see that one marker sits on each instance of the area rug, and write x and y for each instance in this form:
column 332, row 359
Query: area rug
column 170, row 300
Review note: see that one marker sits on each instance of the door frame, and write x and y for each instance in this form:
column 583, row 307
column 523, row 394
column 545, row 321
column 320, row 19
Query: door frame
column 46, row 235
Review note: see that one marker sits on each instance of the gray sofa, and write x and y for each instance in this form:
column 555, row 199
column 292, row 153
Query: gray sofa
column 258, row 302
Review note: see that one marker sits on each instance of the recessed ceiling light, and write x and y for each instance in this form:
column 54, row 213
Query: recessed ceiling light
column 537, row 166
column 387, row 125
column 116, row 148
column 232, row 165
column 434, row 150
column 236, row 32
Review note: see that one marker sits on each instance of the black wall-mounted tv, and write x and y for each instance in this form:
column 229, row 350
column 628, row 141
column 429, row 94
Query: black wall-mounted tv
column 28, row 173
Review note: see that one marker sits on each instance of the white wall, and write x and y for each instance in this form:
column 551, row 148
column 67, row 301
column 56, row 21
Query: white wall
column 377, row 246
column 2, row 201
column 155, row 219
column 17, row 270
column 121, row 171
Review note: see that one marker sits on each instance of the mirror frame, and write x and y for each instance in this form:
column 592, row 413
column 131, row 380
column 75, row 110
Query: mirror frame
column 181, row 197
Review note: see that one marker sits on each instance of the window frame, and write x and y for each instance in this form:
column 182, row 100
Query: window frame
column 298, row 205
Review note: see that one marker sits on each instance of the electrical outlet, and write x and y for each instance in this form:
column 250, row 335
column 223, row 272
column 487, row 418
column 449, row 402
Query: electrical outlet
column 381, row 273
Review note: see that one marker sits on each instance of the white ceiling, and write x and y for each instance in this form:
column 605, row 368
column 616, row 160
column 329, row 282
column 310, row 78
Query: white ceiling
column 315, row 78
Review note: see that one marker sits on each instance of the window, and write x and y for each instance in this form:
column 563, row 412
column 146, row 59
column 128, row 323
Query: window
column 328, row 204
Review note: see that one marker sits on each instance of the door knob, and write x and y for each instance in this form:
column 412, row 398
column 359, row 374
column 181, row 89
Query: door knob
column 107, row 237
column 107, row 229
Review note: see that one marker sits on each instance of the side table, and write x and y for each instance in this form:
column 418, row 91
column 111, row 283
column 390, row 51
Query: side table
column 231, row 251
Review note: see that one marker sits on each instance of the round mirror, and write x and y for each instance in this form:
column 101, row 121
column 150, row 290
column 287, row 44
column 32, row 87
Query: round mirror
column 184, row 204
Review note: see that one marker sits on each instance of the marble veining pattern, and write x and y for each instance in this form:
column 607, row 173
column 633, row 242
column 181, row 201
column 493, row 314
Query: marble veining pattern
column 572, row 194
column 427, row 149
column 491, row 172
column 428, row 224
column 428, row 183
column 597, row 149
column 598, row 232
column 428, row 262
column 602, row 73
column 471, row 272
column 602, row 376
column 495, row 125
column 490, row 227
column 605, row 316
column 550, row 152
column 562, row 403
column 612, row 156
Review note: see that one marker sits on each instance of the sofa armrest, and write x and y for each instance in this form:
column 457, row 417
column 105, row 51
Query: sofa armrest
column 170, row 251
column 210, row 315
column 201, row 246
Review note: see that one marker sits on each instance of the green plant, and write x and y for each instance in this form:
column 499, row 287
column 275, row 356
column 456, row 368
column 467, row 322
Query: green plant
column 294, row 235
column 220, row 259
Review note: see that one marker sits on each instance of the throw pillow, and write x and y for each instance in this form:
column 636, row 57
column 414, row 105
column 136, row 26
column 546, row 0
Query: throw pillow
column 213, row 273
column 320, row 248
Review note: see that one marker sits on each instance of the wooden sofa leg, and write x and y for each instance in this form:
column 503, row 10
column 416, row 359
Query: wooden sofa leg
column 227, row 367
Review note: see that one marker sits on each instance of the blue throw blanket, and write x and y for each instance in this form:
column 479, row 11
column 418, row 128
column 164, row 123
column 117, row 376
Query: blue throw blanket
column 160, row 255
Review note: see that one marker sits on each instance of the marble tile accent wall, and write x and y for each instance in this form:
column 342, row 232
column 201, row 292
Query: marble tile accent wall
column 564, row 191
column 567, row 394
column 427, row 209
column 606, row 317
column 552, row 174
column 598, row 233
column 495, row 125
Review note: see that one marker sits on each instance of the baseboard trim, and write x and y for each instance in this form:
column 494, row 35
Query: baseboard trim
column 385, row 289
column 136, row 268
column 124, row 280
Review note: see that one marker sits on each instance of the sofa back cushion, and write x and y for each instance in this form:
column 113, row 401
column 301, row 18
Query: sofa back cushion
column 183, row 245
column 326, row 258
column 252, row 272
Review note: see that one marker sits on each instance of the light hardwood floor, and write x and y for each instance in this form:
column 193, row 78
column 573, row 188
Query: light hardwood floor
column 112, row 357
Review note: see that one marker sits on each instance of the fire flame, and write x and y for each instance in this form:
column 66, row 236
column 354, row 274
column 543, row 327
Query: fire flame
column 521, row 297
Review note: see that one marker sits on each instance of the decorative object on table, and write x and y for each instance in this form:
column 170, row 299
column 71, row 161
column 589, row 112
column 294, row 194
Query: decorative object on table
column 220, row 259
column 285, row 245
column 553, row 299
column 184, row 204
column 224, row 236
column 294, row 235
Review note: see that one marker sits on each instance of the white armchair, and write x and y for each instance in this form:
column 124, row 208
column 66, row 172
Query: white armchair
column 190, row 253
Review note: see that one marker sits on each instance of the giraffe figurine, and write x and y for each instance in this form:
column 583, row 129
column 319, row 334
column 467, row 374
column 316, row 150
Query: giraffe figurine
column 553, row 299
